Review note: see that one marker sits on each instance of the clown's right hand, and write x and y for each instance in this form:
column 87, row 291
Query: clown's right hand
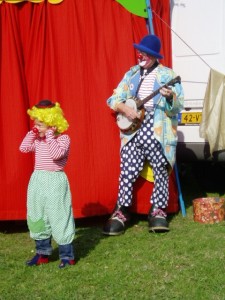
column 129, row 112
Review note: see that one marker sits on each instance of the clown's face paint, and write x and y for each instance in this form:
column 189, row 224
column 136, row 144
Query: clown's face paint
column 144, row 60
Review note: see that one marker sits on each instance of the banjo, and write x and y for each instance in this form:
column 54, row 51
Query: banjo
column 125, row 125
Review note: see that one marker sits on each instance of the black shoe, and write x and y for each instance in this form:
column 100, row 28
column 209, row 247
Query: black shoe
column 157, row 220
column 116, row 223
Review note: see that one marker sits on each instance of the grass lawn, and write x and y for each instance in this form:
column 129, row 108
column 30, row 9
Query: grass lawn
column 186, row 263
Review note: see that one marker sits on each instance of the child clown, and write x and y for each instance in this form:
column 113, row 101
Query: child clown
column 49, row 208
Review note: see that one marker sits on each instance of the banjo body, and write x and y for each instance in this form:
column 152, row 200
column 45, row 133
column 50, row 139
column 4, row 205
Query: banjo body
column 124, row 124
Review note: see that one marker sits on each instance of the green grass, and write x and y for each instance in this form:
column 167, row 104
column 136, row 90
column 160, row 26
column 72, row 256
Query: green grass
column 186, row 263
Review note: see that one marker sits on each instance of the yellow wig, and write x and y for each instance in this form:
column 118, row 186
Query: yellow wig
column 51, row 116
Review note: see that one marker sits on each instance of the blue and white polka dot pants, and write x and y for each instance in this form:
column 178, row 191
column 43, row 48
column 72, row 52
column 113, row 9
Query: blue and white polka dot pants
column 133, row 156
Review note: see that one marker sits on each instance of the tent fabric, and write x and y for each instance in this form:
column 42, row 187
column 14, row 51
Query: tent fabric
column 74, row 53
column 161, row 24
column 33, row 1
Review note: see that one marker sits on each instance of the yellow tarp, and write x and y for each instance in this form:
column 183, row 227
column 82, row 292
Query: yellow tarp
column 147, row 173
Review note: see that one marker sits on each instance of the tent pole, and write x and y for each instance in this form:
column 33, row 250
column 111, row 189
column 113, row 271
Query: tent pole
column 149, row 12
column 181, row 200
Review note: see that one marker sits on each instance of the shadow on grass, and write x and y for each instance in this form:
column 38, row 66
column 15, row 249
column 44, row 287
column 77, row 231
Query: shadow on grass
column 200, row 178
column 197, row 179
column 9, row 227
column 88, row 232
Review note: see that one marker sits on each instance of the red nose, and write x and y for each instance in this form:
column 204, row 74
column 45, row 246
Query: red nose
column 139, row 56
column 35, row 130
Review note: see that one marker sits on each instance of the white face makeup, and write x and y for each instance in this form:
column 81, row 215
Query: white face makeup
column 145, row 60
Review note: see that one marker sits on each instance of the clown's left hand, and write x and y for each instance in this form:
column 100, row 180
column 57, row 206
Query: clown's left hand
column 167, row 92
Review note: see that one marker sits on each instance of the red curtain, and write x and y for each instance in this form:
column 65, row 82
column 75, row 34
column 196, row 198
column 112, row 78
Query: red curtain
column 161, row 24
column 74, row 53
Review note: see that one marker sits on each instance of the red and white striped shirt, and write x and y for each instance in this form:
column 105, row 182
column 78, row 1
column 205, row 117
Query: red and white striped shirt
column 147, row 88
column 51, row 153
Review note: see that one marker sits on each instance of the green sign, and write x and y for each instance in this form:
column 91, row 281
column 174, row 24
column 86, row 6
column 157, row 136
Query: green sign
column 136, row 7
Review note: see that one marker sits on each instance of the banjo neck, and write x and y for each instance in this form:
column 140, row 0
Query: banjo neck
column 140, row 103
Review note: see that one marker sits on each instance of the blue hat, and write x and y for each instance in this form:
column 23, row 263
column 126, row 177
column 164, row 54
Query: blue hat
column 151, row 45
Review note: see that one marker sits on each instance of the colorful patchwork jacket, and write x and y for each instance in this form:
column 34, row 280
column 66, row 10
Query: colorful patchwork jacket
column 165, row 115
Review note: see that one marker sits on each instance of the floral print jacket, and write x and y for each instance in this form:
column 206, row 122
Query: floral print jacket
column 165, row 114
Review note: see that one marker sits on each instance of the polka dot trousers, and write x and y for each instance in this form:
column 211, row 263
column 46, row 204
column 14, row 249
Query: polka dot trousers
column 133, row 156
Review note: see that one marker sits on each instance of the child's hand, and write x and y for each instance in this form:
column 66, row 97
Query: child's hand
column 53, row 128
column 35, row 130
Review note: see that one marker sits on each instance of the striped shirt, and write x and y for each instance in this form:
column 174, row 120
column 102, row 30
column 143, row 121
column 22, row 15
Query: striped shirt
column 147, row 88
column 51, row 153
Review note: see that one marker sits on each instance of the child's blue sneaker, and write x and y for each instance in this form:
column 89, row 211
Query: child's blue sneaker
column 37, row 260
column 66, row 262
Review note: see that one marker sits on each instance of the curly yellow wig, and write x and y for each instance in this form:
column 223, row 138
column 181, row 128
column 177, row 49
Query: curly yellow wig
column 49, row 113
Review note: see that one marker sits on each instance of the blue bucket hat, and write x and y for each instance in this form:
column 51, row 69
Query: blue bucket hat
column 151, row 45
